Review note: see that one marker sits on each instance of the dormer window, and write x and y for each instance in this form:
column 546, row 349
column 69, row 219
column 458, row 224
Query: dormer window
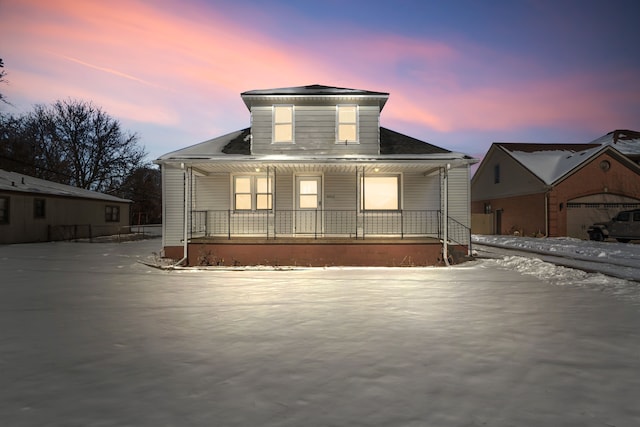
column 283, row 123
column 347, row 124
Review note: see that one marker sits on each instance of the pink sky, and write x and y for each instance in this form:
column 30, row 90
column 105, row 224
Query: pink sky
column 173, row 72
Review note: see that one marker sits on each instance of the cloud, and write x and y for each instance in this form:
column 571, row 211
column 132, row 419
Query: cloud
column 185, row 64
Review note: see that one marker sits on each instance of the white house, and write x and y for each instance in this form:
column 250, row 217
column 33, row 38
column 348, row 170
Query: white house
column 315, row 181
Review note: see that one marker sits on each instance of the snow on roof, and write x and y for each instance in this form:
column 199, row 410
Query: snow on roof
column 207, row 149
column 625, row 141
column 17, row 182
column 237, row 145
column 551, row 164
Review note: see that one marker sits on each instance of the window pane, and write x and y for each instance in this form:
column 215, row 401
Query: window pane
column 283, row 133
column 243, row 185
column 263, row 185
column 308, row 201
column 347, row 133
column 309, row 187
column 263, row 201
column 243, row 202
column 347, row 114
column 380, row 193
column 283, row 114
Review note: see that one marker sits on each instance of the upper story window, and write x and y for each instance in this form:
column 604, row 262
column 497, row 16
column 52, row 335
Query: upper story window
column 4, row 210
column 347, row 124
column 252, row 193
column 283, row 123
column 496, row 174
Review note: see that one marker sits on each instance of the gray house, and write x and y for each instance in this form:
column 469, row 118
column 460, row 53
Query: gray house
column 36, row 210
column 315, row 181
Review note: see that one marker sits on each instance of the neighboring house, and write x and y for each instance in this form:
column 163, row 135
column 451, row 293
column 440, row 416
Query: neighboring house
column 555, row 189
column 315, row 181
column 36, row 210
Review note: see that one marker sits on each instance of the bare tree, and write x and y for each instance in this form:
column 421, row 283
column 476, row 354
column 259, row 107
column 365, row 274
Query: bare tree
column 144, row 188
column 3, row 74
column 71, row 142
column 84, row 144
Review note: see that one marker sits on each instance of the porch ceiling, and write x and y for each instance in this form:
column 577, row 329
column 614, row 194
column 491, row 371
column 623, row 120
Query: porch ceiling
column 208, row 168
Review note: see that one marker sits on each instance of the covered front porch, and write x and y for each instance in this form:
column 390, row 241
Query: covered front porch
column 357, row 213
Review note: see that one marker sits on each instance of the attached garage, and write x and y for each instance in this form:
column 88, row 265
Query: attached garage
column 584, row 211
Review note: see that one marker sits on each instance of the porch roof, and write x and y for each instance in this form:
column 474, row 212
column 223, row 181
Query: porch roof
column 231, row 153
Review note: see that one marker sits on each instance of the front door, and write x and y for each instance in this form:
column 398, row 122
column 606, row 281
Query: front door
column 308, row 216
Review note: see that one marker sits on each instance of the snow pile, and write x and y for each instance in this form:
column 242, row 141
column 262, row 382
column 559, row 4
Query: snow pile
column 622, row 254
column 598, row 266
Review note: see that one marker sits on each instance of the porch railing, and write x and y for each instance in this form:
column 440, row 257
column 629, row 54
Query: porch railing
column 325, row 223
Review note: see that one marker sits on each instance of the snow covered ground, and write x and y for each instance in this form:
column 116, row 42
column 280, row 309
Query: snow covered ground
column 611, row 258
column 92, row 337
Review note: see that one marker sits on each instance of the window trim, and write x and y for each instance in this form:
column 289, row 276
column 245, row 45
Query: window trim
column 274, row 123
column 109, row 216
column 496, row 173
column 6, row 217
column 356, row 123
column 363, row 192
column 253, row 186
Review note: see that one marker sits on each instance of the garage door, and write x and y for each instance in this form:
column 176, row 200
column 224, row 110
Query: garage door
column 584, row 211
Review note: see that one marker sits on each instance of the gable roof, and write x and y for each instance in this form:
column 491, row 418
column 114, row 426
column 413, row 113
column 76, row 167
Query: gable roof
column 17, row 182
column 625, row 141
column 238, row 143
column 553, row 162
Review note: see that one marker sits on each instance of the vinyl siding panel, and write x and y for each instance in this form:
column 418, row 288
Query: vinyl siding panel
column 173, row 206
column 459, row 204
column 315, row 131
column 421, row 192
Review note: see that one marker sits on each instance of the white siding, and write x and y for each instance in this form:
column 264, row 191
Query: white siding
column 315, row 131
column 173, row 206
column 459, row 203
column 421, row 192
column 340, row 191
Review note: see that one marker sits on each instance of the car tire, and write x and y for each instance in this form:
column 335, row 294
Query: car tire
column 596, row 235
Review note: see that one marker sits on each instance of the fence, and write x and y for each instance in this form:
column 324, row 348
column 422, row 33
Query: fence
column 325, row 223
column 92, row 232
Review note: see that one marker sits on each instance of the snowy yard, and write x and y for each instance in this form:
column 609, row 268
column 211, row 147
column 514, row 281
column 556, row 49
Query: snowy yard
column 91, row 337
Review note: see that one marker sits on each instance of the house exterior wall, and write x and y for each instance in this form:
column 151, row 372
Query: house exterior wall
column 591, row 179
column 173, row 206
column 459, row 195
column 524, row 215
column 315, row 129
column 515, row 179
column 65, row 218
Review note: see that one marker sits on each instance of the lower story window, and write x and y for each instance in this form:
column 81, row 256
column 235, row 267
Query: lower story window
column 112, row 213
column 252, row 193
column 380, row 192
column 39, row 208
column 4, row 210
